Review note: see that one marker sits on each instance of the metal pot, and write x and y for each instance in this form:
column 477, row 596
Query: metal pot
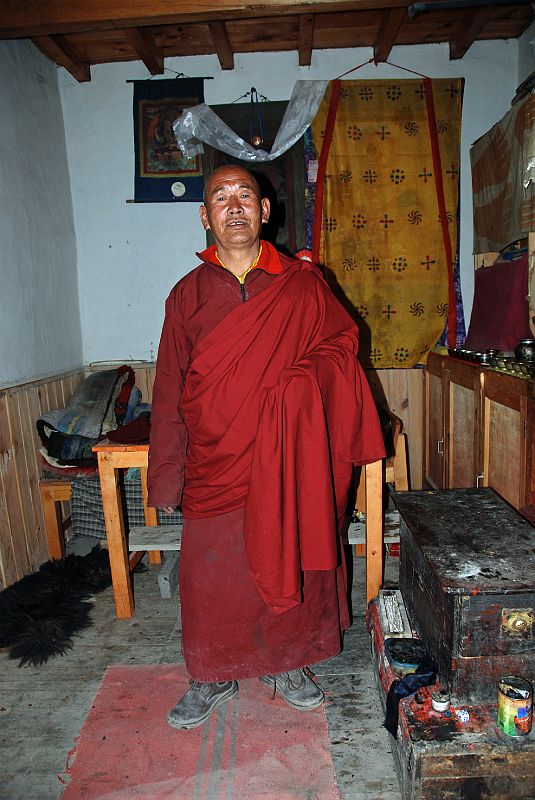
column 525, row 350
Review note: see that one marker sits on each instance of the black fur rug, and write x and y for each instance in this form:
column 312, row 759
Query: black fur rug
column 40, row 614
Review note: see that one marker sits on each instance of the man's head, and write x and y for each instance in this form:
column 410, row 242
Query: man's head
column 233, row 208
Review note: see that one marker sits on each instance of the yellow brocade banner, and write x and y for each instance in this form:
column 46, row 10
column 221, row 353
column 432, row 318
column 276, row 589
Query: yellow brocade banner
column 382, row 241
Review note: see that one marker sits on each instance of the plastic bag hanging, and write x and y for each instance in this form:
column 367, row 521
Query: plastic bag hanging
column 198, row 124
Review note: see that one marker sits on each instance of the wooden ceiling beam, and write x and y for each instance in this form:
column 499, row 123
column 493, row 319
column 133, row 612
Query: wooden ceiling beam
column 471, row 24
column 386, row 38
column 42, row 17
column 143, row 43
column 223, row 47
column 306, row 35
column 64, row 55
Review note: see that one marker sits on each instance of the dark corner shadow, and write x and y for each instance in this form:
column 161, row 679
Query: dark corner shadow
column 365, row 335
column 277, row 213
column 364, row 339
column 381, row 404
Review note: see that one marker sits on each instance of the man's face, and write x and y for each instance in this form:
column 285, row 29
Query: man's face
column 233, row 209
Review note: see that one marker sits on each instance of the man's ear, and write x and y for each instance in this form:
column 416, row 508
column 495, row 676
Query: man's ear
column 265, row 209
column 204, row 217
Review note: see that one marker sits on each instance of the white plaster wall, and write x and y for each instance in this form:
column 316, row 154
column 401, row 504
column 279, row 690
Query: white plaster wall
column 526, row 57
column 40, row 331
column 130, row 255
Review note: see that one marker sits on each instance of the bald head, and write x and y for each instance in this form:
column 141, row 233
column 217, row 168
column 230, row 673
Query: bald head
column 234, row 212
column 221, row 173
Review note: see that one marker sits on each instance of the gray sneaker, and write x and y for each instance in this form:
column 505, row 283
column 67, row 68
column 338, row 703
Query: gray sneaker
column 297, row 688
column 199, row 702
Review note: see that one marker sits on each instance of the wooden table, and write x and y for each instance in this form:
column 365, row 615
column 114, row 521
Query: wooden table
column 113, row 457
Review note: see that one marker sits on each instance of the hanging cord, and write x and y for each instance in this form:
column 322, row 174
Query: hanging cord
column 175, row 73
column 376, row 62
column 255, row 105
column 248, row 94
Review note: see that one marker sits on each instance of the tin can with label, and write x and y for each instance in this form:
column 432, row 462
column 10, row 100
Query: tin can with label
column 440, row 700
column 515, row 706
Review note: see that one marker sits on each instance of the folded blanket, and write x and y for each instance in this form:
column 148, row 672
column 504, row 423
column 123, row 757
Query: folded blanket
column 70, row 433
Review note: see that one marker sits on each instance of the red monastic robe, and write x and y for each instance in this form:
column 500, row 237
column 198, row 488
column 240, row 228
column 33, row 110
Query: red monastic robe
column 263, row 414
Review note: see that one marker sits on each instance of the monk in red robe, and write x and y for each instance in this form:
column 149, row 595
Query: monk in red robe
column 260, row 410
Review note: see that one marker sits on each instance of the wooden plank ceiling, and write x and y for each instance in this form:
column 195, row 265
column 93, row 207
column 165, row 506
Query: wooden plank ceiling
column 76, row 33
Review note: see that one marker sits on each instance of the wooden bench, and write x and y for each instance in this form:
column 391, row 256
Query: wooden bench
column 54, row 492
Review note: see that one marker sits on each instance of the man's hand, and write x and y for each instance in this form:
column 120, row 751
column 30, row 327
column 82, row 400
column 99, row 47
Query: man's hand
column 168, row 509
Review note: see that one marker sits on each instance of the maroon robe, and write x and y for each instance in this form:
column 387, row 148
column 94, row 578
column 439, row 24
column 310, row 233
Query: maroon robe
column 271, row 390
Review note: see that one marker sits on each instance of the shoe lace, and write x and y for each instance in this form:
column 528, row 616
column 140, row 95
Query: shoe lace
column 285, row 677
column 204, row 687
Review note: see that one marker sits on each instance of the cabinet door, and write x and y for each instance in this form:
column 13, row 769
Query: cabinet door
column 464, row 415
column 505, row 429
column 435, row 418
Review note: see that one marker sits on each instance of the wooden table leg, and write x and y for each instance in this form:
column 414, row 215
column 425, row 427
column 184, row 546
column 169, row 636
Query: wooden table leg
column 374, row 528
column 151, row 515
column 115, row 534
column 53, row 523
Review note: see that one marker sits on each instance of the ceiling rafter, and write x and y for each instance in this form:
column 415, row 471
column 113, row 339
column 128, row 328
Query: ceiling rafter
column 76, row 34
column 143, row 43
column 58, row 50
column 18, row 19
column 471, row 24
column 223, row 47
column 386, row 38
column 306, row 37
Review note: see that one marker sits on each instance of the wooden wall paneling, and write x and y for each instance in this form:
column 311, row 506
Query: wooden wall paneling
column 22, row 534
column 5, row 542
column 403, row 391
column 435, row 428
column 63, row 389
column 7, row 563
column 21, row 479
column 62, row 392
column 28, row 480
column 32, row 444
column 52, row 402
column 74, row 382
column 415, row 425
column 145, row 381
column 15, row 557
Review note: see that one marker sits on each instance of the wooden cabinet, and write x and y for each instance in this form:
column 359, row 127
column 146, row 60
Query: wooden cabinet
column 505, row 436
column 463, row 427
column 435, row 395
column 479, row 429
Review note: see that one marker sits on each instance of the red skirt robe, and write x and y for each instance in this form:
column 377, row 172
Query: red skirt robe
column 258, row 421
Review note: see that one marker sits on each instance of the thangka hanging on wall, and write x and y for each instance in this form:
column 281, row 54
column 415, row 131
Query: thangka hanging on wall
column 162, row 174
column 382, row 240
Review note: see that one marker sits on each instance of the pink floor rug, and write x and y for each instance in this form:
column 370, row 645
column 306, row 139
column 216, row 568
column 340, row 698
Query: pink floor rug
column 252, row 747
